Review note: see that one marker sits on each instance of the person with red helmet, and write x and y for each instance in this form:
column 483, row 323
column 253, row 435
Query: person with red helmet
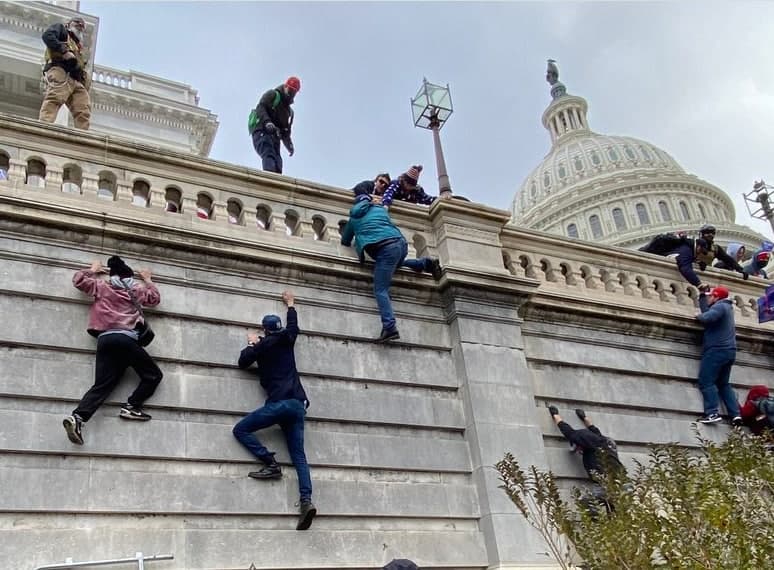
column 271, row 122
column 718, row 356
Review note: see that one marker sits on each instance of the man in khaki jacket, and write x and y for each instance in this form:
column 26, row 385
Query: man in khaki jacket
column 67, row 81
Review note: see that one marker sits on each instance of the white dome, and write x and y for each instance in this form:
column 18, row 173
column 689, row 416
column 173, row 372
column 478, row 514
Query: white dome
column 580, row 158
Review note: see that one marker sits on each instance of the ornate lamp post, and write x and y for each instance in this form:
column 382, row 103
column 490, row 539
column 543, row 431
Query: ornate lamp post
column 759, row 203
column 431, row 108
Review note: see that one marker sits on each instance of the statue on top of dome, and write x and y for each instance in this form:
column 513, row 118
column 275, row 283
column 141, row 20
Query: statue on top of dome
column 552, row 76
column 552, row 73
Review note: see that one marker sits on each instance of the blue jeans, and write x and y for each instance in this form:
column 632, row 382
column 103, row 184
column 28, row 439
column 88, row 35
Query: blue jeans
column 714, row 375
column 289, row 415
column 387, row 259
column 268, row 148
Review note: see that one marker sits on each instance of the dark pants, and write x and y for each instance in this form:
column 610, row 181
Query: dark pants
column 289, row 415
column 115, row 353
column 714, row 376
column 268, row 148
column 388, row 257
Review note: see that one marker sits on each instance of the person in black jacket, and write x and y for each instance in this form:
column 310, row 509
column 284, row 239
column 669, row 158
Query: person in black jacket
column 370, row 187
column 67, row 79
column 600, row 457
column 702, row 251
column 273, row 124
column 285, row 405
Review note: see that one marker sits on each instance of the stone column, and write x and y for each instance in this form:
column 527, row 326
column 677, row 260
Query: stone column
column 481, row 300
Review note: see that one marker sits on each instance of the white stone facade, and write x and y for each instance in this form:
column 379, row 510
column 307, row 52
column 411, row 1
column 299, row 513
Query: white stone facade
column 125, row 104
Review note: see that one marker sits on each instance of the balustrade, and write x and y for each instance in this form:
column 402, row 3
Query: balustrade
column 218, row 198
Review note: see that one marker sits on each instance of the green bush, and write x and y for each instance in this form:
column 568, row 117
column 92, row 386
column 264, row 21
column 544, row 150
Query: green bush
column 682, row 509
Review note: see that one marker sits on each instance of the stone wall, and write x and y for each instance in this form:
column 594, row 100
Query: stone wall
column 401, row 438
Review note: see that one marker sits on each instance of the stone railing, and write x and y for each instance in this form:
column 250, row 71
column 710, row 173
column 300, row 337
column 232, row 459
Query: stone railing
column 69, row 169
column 616, row 279
column 110, row 76
column 54, row 166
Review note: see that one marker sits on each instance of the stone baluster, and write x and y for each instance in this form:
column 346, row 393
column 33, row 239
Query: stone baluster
column 123, row 192
column 89, row 185
column 54, row 177
column 551, row 270
column 157, row 198
column 305, row 229
column 680, row 291
column 591, row 277
column 17, row 172
column 188, row 206
column 277, row 223
column 220, row 213
column 609, row 280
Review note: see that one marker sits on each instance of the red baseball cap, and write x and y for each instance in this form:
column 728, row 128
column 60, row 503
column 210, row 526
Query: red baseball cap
column 294, row 83
column 720, row 292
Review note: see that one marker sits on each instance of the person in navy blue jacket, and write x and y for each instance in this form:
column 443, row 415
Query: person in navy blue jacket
column 718, row 356
column 286, row 403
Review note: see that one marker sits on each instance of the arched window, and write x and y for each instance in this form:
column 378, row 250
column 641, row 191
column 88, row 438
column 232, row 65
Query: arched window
column 666, row 215
column 619, row 219
column 140, row 193
column 596, row 226
column 203, row 206
column 71, row 179
column 684, row 211
column 263, row 216
column 234, row 209
column 318, row 227
column 642, row 214
column 106, row 186
column 702, row 213
column 36, row 173
column 5, row 165
column 173, row 199
column 572, row 231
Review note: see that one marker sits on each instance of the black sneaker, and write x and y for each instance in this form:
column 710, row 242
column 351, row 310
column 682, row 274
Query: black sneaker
column 73, row 426
column 435, row 269
column 388, row 335
column 267, row 472
column 737, row 421
column 129, row 412
column 709, row 419
column 307, row 512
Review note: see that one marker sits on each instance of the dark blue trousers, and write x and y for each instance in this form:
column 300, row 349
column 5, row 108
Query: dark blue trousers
column 268, row 148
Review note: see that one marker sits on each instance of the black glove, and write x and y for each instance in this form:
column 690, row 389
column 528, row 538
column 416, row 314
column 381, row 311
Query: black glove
column 745, row 275
column 553, row 410
column 702, row 266
column 270, row 128
column 580, row 413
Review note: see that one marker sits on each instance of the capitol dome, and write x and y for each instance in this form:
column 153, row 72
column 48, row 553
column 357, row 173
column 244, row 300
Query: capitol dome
column 615, row 190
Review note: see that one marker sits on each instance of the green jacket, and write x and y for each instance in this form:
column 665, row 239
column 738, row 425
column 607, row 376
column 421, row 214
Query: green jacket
column 368, row 223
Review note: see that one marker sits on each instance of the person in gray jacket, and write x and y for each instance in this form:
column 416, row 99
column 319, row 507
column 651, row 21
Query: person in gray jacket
column 718, row 356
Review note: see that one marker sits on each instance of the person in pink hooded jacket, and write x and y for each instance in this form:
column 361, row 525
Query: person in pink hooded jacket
column 116, row 319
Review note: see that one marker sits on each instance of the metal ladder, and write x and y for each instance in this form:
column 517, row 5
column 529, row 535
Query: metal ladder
column 139, row 559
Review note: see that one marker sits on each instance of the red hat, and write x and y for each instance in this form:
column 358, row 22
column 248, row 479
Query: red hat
column 720, row 292
column 762, row 256
column 293, row 83
column 412, row 175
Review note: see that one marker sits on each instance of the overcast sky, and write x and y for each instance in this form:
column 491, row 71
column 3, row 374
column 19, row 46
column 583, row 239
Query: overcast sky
column 693, row 78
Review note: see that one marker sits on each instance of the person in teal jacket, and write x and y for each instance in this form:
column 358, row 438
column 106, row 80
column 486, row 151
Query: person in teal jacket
column 374, row 234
